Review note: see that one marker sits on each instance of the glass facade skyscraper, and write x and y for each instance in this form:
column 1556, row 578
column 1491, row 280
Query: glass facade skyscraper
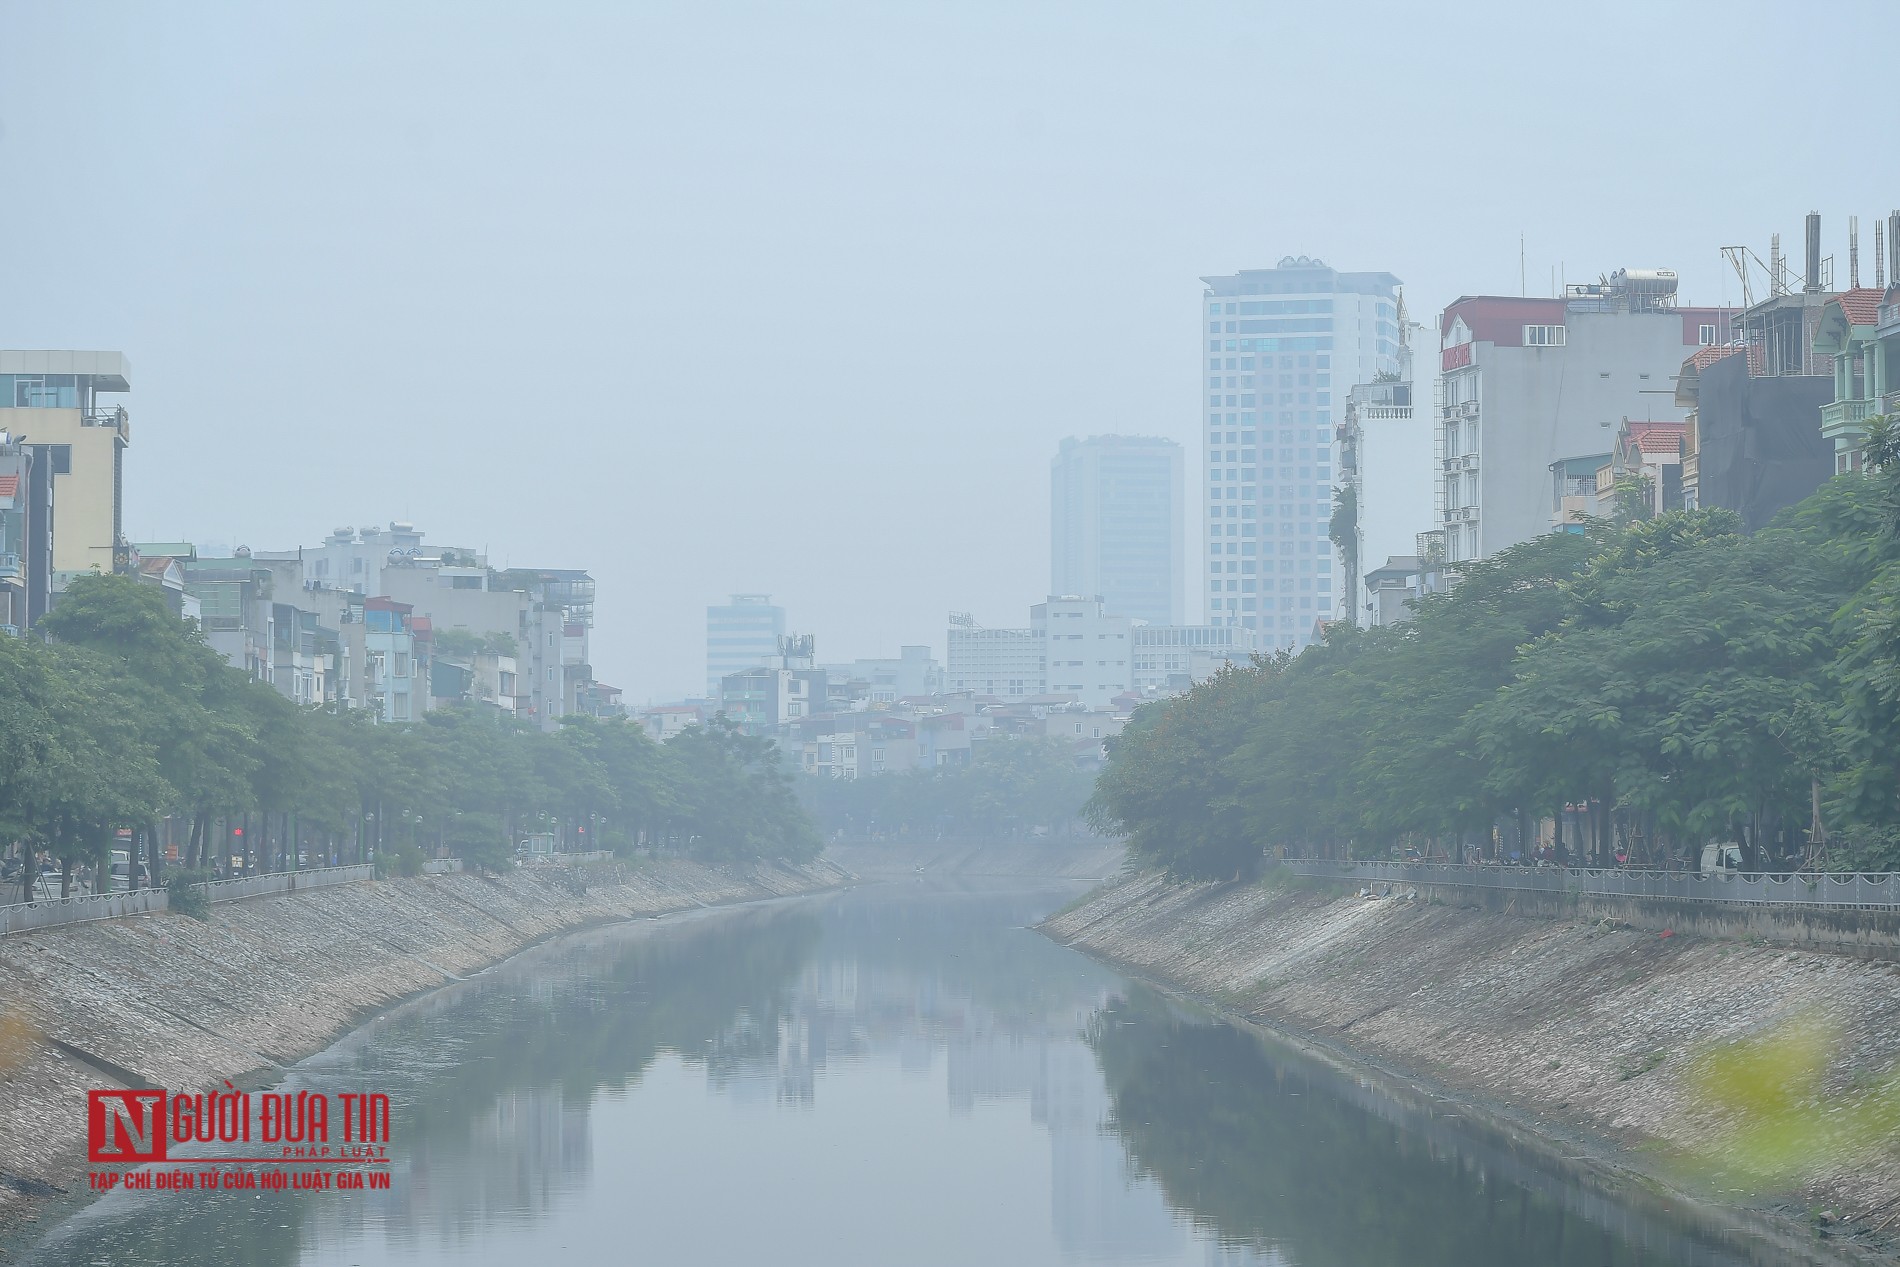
column 1283, row 346
column 1116, row 523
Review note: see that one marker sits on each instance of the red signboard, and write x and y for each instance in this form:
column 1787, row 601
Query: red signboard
column 1457, row 356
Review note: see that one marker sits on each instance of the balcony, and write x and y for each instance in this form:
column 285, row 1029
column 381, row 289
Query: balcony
column 114, row 417
column 1846, row 418
column 12, row 568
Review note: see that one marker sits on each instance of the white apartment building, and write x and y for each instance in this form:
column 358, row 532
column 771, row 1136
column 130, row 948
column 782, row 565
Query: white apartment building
column 1534, row 386
column 1168, row 657
column 1007, row 663
column 1089, row 652
column 1282, row 346
column 1116, row 524
column 741, row 634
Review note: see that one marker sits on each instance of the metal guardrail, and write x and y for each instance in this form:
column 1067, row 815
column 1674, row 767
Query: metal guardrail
column 22, row 916
column 441, row 866
column 1876, row 890
column 287, row 881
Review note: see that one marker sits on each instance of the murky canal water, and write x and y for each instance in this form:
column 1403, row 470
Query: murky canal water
column 899, row 1074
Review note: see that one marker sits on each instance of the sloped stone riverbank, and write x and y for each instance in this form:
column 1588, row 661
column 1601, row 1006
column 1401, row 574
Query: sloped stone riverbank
column 1587, row 1032
column 169, row 1001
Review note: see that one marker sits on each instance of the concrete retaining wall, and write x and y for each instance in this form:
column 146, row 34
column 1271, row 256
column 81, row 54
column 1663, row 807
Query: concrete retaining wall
column 1548, row 1012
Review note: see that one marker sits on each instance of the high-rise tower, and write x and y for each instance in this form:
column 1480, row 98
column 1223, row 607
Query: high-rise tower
column 1283, row 345
column 1115, row 525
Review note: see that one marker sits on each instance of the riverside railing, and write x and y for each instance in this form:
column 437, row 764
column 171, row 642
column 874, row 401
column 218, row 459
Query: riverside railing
column 1876, row 890
column 48, row 912
column 287, row 881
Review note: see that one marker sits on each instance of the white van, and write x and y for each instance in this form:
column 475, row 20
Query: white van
column 1721, row 858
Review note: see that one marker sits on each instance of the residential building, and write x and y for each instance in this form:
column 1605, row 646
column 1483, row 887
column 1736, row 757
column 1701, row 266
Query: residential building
column 663, row 721
column 878, row 683
column 1573, row 493
column 538, row 620
column 1007, row 663
column 1860, row 330
column 304, row 655
column 759, row 701
column 478, row 673
column 1392, row 588
column 854, row 745
column 1530, row 383
column 1649, row 454
column 1283, row 345
column 236, row 611
column 1087, row 650
column 741, row 634
column 395, row 668
column 56, row 401
column 26, row 562
column 1385, row 471
column 1172, row 658
column 1116, row 524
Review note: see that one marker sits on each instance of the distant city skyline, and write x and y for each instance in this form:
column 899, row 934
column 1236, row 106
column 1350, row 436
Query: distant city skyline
column 801, row 300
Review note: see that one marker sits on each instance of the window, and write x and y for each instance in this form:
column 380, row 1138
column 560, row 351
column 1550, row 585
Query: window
column 1705, row 335
column 1543, row 336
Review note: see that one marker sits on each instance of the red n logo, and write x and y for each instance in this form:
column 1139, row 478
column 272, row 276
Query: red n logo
column 125, row 1127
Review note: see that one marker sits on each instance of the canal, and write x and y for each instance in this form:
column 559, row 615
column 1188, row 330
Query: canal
column 902, row 1073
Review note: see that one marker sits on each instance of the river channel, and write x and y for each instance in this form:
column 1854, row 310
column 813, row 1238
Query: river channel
column 904, row 1073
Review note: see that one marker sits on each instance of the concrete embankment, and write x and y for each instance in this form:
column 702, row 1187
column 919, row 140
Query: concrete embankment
column 1056, row 858
column 1589, row 1032
column 169, row 1001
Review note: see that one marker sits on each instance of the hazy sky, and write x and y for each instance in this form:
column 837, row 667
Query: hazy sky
column 800, row 298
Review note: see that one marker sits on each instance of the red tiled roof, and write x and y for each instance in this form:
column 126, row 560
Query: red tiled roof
column 1706, row 357
column 1659, row 437
column 9, row 485
column 1861, row 306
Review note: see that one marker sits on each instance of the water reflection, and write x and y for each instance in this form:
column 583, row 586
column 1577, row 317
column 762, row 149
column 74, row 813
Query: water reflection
column 1288, row 1159
column 898, row 1074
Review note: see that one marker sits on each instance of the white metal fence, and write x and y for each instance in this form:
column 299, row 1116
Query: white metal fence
column 287, row 881
column 1802, row 888
column 47, row 912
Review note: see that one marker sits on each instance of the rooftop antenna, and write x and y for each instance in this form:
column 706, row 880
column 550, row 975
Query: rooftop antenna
column 1853, row 252
column 1522, row 288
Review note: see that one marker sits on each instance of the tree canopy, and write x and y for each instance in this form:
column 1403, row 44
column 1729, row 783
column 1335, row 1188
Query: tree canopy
column 1654, row 683
column 117, row 714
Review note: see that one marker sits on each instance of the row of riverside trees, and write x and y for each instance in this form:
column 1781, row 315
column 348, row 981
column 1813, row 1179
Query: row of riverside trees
column 1669, row 680
column 1014, row 787
column 116, row 714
